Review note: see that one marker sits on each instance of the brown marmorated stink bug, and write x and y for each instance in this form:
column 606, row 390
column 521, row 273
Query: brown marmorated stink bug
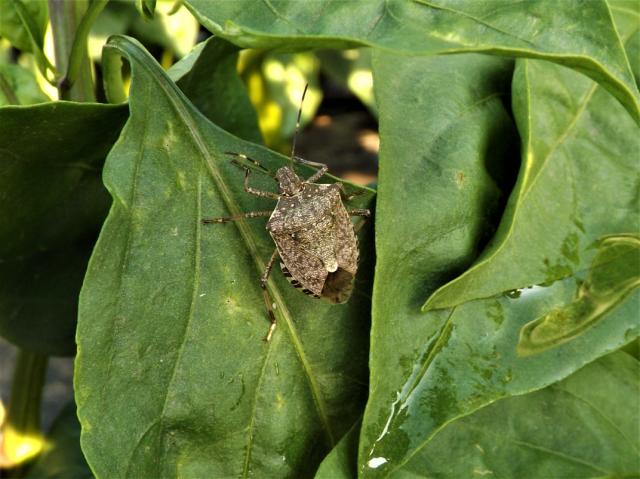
column 311, row 228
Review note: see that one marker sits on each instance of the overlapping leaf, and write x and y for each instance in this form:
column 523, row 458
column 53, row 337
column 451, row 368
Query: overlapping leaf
column 569, row 429
column 23, row 23
column 18, row 86
column 574, row 202
column 53, row 201
column 583, row 426
column 579, row 35
column 208, row 77
column 172, row 318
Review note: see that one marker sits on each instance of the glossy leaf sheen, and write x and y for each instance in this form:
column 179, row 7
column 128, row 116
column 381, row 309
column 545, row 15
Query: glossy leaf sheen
column 430, row 229
column 455, row 360
column 577, row 34
column 50, row 188
column 569, row 429
column 584, row 426
column 172, row 318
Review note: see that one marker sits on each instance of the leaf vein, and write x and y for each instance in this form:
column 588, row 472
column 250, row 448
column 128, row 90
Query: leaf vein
column 471, row 17
column 173, row 96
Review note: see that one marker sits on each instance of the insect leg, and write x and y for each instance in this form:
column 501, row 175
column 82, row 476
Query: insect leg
column 345, row 196
column 359, row 212
column 253, row 191
column 318, row 174
column 267, row 296
column 255, row 163
column 225, row 219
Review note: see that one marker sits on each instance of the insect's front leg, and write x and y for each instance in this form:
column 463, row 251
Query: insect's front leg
column 253, row 191
column 244, row 157
column 226, row 219
column 267, row 297
column 318, row 174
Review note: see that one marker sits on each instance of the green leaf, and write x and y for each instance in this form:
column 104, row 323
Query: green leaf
column 24, row 32
column 62, row 457
column 626, row 14
column 23, row 22
column 172, row 316
column 39, row 298
column 583, row 426
column 208, row 70
column 579, row 35
column 454, row 361
column 452, row 134
column 50, row 156
column 18, row 86
column 572, row 133
column 342, row 461
column 569, row 429
column 147, row 8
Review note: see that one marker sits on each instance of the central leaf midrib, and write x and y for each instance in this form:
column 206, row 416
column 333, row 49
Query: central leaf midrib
column 251, row 246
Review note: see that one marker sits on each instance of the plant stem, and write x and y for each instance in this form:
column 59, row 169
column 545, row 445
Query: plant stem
column 66, row 17
column 22, row 437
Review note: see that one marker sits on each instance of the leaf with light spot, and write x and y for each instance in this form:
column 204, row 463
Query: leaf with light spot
column 172, row 320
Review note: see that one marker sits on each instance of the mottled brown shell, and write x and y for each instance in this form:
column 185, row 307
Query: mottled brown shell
column 316, row 242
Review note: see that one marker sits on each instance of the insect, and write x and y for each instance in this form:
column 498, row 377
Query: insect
column 311, row 229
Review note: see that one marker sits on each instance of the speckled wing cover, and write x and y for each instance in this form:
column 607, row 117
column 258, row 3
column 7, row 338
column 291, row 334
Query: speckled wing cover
column 316, row 242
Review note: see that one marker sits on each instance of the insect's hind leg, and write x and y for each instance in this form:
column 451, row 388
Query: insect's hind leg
column 362, row 213
column 267, row 297
column 359, row 212
column 345, row 196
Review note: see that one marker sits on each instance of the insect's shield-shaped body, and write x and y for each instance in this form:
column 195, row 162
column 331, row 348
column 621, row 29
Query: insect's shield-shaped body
column 314, row 237
column 311, row 228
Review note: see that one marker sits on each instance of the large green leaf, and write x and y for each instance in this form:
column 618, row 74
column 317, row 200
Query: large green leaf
column 587, row 425
column 50, row 189
column 577, row 34
column 579, row 159
column 579, row 146
column 451, row 134
column 172, row 317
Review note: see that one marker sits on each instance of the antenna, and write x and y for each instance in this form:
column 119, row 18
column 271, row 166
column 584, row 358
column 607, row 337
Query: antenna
column 295, row 135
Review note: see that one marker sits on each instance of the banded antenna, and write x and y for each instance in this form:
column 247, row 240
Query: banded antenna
column 295, row 135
